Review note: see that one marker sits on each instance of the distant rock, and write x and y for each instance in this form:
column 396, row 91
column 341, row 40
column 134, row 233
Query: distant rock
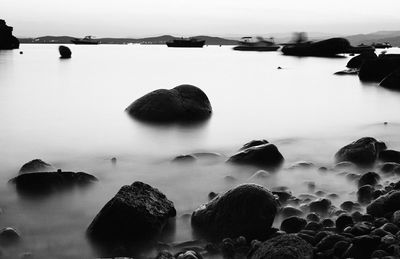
column 65, row 52
column 288, row 246
column 264, row 155
column 7, row 40
column 357, row 61
column 324, row 48
column 362, row 152
column 36, row 165
column 392, row 81
column 47, row 182
column 138, row 212
column 375, row 70
column 184, row 103
column 247, row 210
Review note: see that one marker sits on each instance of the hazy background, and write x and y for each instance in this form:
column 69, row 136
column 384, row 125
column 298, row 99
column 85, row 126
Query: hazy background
column 133, row 18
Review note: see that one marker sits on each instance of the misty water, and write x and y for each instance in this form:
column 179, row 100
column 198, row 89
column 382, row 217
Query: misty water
column 70, row 113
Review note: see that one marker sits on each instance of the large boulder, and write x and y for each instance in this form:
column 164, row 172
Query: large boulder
column 324, row 48
column 138, row 212
column 36, row 165
column 357, row 61
column 392, row 81
column 390, row 156
column 48, row 182
column 375, row 70
column 362, row 152
column 288, row 246
column 7, row 40
column 184, row 103
column 247, row 210
column 65, row 52
column 264, row 155
column 385, row 204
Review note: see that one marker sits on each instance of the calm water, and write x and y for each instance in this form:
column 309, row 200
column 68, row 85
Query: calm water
column 70, row 113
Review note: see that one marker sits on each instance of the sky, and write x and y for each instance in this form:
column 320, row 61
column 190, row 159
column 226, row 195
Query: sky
column 139, row 18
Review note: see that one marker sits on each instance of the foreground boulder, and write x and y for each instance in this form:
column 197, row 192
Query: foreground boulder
column 65, row 52
column 385, row 204
column 138, row 212
column 392, row 81
column 263, row 155
column 288, row 246
column 324, row 48
column 247, row 210
column 362, row 152
column 184, row 103
column 36, row 165
column 375, row 70
column 48, row 182
column 7, row 40
column 357, row 61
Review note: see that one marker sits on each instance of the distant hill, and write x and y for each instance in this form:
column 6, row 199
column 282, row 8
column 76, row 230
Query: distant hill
column 149, row 40
column 393, row 37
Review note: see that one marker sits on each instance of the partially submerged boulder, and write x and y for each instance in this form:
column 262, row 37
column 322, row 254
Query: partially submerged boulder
column 247, row 210
column 375, row 70
column 325, row 48
column 7, row 40
column 392, row 81
column 65, row 52
column 362, row 152
column 36, row 165
column 357, row 61
column 288, row 246
column 184, row 103
column 138, row 212
column 263, row 155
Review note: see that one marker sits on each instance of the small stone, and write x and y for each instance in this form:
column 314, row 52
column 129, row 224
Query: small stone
column 9, row 236
column 343, row 221
column 293, row 225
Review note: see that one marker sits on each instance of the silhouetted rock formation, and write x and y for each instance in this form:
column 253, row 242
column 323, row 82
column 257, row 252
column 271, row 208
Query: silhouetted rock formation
column 375, row 70
column 184, row 103
column 357, row 61
column 36, row 165
column 255, row 153
column 247, row 210
column 65, row 52
column 7, row 40
column 284, row 247
column 138, row 212
column 324, row 48
column 392, row 81
column 362, row 152
column 41, row 183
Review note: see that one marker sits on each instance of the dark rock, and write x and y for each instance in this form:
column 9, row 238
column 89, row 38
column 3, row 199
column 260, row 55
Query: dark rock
column 320, row 206
column 164, row 255
column 9, row 236
column 362, row 152
column 47, row 182
column 390, row 155
column 351, row 71
column 357, row 216
column 137, row 212
column 265, row 155
column 212, row 195
column 320, row 193
column 7, row 40
column 254, row 143
column 370, row 178
column 390, row 167
column 329, row 242
column 293, row 224
column 379, row 232
column 287, row 212
column 287, row 246
column 390, row 227
column 184, row 103
column 324, row 48
column 340, row 248
column 379, row 254
column 247, row 210
column 343, row 221
column 36, row 165
column 379, row 222
column 65, row 52
column 189, row 254
column 357, row 61
column 283, row 196
column 367, row 217
column 312, row 225
column 375, row 70
column 327, row 223
column 347, row 206
column 392, row 81
column 396, row 218
column 365, row 194
column 362, row 247
column 313, row 217
column 184, row 159
column 361, row 228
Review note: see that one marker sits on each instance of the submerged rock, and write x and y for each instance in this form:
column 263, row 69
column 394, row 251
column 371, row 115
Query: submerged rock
column 36, row 165
column 65, row 52
column 7, row 40
column 362, row 152
column 288, row 246
column 357, row 61
column 247, row 210
column 138, row 212
column 184, row 103
column 264, row 155
column 324, row 48
column 392, row 81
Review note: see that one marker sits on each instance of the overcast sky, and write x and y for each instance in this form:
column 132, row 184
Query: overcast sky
column 133, row 18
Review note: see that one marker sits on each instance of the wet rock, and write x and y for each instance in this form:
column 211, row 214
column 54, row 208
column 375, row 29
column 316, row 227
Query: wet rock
column 361, row 228
column 392, row 82
column 41, row 183
column 293, row 224
column 184, row 103
column 379, row 222
column 247, row 210
column 365, row 194
column 343, row 221
column 312, row 225
column 284, row 247
column 254, row 143
column 357, row 216
column 376, row 208
column 375, row 70
column 390, row 227
column 362, row 247
column 212, row 195
column 325, row 48
column 7, row 40
column 327, row 223
column 362, row 152
column 390, row 167
column 390, row 155
column 347, row 206
column 289, row 211
column 283, row 196
column 370, row 178
column 164, row 255
column 340, row 248
column 9, row 236
column 379, row 254
column 345, row 165
column 313, row 217
column 184, row 159
column 265, row 155
column 188, row 255
column 320, row 193
column 357, row 61
column 367, row 217
column 36, row 165
column 320, row 206
column 396, row 218
column 65, row 52
column 379, row 232
column 259, row 175
column 137, row 212
column 302, row 165
column 329, row 241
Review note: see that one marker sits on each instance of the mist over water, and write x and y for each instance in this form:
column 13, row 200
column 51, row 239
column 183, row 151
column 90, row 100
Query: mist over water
column 70, row 113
